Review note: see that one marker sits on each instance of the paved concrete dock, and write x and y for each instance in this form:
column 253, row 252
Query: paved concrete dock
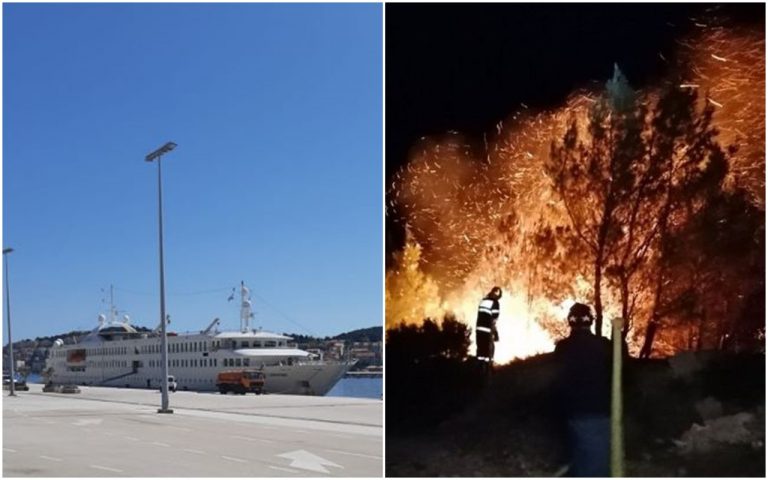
column 113, row 432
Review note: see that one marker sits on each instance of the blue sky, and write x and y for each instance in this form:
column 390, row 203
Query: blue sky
column 276, row 180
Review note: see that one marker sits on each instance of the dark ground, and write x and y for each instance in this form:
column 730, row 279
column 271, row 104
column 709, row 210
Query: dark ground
column 508, row 427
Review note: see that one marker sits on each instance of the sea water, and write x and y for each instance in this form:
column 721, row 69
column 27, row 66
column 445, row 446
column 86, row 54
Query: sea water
column 357, row 387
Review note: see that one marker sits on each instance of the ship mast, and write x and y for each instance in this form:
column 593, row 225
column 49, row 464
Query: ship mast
column 245, row 308
column 111, row 304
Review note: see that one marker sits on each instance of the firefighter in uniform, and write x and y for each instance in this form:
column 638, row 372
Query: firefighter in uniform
column 485, row 330
column 584, row 391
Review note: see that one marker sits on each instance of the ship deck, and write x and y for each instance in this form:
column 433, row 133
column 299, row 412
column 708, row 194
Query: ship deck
column 118, row 432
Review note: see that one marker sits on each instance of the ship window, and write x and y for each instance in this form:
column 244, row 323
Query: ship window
column 237, row 362
column 244, row 344
column 246, row 362
column 270, row 343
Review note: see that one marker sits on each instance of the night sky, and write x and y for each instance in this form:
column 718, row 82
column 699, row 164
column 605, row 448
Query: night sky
column 466, row 67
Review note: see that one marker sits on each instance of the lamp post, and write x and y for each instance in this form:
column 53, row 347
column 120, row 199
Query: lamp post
column 6, row 251
column 157, row 155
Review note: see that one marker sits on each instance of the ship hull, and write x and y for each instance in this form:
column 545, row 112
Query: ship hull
column 302, row 379
column 195, row 361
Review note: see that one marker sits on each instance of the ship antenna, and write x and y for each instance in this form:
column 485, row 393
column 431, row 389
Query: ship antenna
column 111, row 303
column 245, row 308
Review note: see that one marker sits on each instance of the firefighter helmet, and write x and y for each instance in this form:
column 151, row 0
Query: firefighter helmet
column 580, row 315
column 495, row 293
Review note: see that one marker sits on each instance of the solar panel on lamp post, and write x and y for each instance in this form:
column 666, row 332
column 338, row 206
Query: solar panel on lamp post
column 157, row 155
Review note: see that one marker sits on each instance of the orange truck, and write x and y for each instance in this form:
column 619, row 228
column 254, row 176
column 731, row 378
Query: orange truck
column 240, row 381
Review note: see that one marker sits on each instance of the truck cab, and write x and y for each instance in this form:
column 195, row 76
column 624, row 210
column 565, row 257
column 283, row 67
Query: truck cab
column 240, row 381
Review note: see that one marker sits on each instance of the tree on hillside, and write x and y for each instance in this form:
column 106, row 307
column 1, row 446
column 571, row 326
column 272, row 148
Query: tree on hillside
column 683, row 146
column 448, row 339
column 624, row 182
column 410, row 293
column 595, row 174
column 714, row 268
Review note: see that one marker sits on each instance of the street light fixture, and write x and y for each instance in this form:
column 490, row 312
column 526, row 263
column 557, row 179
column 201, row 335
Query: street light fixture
column 6, row 251
column 157, row 155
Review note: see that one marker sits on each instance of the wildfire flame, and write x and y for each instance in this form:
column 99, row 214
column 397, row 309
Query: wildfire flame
column 470, row 211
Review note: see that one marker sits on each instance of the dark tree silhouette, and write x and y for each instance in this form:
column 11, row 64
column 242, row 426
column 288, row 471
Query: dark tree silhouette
column 595, row 176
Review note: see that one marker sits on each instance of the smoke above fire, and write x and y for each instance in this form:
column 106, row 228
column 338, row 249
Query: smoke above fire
column 470, row 208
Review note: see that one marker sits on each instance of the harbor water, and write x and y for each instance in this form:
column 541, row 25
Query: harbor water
column 357, row 387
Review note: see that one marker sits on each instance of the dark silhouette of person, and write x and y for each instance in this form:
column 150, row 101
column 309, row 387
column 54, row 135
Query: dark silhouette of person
column 584, row 394
column 485, row 330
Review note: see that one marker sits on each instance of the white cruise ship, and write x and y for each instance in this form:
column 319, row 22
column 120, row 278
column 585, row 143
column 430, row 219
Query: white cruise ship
column 116, row 354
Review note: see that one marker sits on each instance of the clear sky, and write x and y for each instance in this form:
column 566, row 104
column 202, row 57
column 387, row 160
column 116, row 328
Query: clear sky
column 276, row 180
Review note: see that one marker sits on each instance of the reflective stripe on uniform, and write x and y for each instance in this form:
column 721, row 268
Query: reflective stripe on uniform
column 486, row 310
column 484, row 329
column 487, row 304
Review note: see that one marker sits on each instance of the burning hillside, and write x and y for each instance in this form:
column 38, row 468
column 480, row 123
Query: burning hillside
column 479, row 214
